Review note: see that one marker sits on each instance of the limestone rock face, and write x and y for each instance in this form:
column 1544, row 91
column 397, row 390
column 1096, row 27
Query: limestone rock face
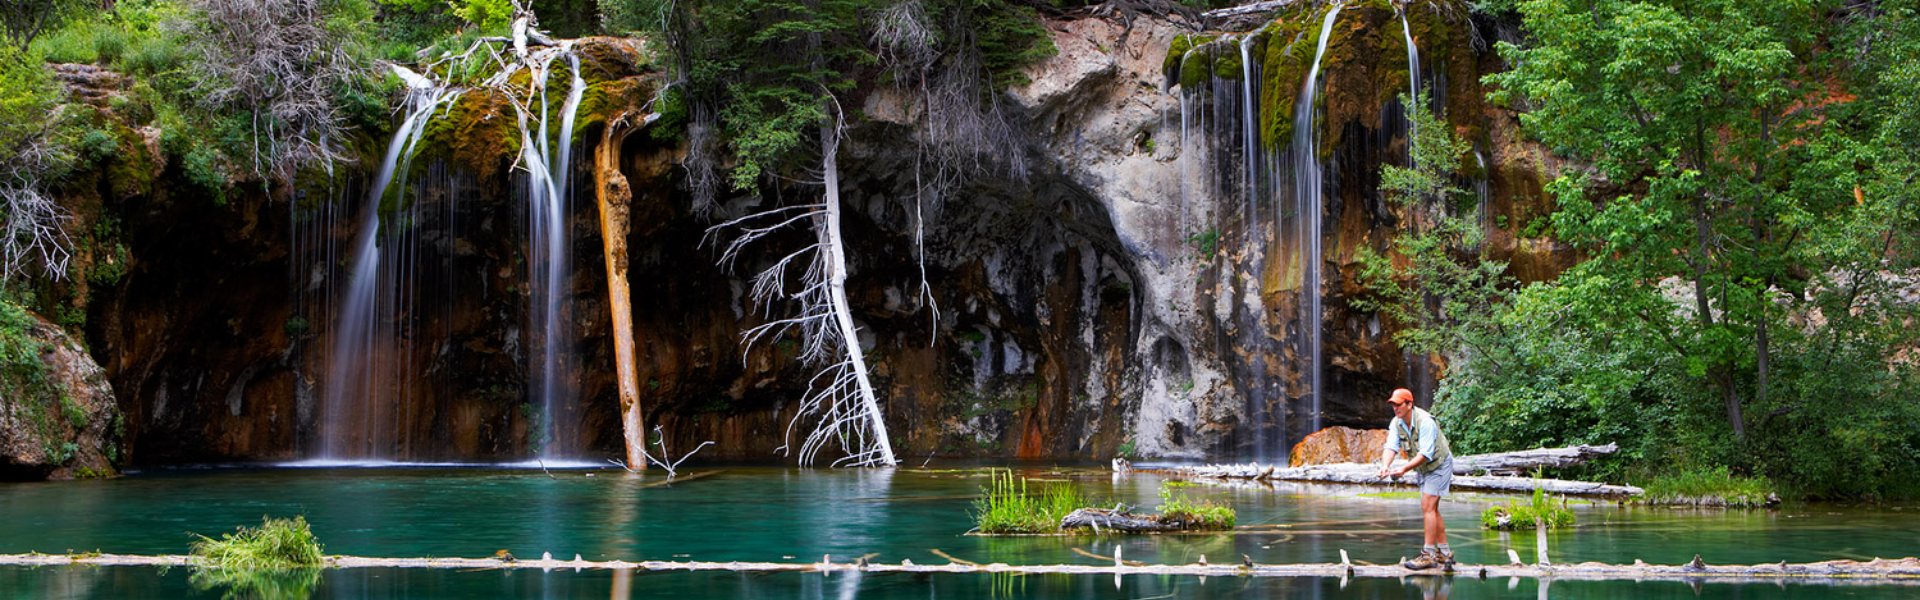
column 1102, row 120
column 62, row 422
column 1338, row 445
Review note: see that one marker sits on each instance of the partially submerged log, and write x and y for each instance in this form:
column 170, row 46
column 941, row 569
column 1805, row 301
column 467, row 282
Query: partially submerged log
column 1903, row 571
column 1100, row 519
column 1464, row 468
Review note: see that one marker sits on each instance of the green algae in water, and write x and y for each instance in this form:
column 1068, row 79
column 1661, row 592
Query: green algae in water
column 1390, row 495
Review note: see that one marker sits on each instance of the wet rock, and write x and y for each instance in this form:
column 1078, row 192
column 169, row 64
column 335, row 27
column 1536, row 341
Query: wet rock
column 1339, row 445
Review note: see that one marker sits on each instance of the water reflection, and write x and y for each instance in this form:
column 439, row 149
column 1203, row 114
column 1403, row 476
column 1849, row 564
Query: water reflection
column 130, row 582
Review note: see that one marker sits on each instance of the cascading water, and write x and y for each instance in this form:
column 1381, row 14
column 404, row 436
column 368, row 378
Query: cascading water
column 1308, row 205
column 1413, row 83
column 547, row 190
column 366, row 359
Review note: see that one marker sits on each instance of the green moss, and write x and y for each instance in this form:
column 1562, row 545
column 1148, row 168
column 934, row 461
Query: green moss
column 1195, row 68
column 1227, row 65
column 1392, row 495
column 1176, row 51
column 478, row 133
column 1183, row 63
column 1283, row 69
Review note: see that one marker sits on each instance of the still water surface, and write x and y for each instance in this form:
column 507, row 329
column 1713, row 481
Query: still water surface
column 789, row 515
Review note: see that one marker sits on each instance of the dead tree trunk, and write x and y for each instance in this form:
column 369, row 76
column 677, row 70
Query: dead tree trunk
column 615, row 194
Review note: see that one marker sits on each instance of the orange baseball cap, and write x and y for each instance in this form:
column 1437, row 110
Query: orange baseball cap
column 1401, row 395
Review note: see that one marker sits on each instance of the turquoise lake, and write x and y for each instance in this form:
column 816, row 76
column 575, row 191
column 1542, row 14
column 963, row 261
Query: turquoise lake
column 792, row 515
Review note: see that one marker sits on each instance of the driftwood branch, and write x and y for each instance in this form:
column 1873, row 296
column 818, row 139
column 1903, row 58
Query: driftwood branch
column 1878, row 572
column 1464, row 468
column 1100, row 519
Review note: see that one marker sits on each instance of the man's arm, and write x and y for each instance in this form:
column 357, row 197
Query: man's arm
column 1418, row 459
column 1389, row 450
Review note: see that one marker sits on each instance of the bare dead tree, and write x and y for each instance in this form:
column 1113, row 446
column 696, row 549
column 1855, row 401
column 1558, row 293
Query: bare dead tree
column 276, row 60
column 34, row 225
column 963, row 129
column 840, row 397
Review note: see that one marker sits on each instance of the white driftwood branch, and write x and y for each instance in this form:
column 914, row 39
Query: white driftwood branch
column 1876, row 572
column 1464, row 468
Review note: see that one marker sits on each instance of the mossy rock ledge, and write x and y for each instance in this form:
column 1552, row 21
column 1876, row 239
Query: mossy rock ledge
column 58, row 418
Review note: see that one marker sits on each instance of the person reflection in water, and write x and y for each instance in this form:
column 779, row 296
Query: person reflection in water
column 1434, row 587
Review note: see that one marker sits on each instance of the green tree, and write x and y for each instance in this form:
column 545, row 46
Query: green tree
column 1724, row 213
column 23, row 20
column 1436, row 280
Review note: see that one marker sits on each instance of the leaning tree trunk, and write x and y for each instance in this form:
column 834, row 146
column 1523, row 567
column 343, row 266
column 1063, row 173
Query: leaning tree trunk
column 836, row 260
column 615, row 194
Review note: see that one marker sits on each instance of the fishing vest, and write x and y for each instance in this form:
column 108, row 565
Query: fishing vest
column 1410, row 442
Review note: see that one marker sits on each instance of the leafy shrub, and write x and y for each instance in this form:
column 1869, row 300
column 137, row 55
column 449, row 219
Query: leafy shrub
column 20, row 362
column 98, row 145
column 1014, row 507
column 1539, row 512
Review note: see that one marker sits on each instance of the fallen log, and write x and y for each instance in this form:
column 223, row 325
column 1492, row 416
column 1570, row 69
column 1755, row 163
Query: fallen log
column 1903, row 571
column 1464, row 468
column 1103, row 519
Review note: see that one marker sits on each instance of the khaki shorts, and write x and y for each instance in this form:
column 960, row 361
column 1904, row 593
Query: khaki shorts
column 1438, row 482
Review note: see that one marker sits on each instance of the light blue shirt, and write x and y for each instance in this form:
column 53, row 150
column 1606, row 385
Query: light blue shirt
column 1426, row 437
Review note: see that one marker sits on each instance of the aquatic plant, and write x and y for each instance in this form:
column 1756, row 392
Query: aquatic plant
column 275, row 544
column 1714, row 486
column 1203, row 514
column 1541, row 511
column 1010, row 506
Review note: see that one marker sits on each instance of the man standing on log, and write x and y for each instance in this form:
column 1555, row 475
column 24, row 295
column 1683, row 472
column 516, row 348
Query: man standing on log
column 1414, row 428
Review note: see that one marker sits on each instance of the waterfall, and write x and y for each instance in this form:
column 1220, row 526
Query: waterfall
column 1251, row 145
column 547, row 191
column 1413, row 84
column 1308, row 205
column 366, row 360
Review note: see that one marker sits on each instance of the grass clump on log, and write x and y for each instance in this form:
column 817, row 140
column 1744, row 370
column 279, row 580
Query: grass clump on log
column 1714, row 486
column 275, row 544
column 278, row 559
column 1202, row 515
column 1539, row 512
column 1011, row 506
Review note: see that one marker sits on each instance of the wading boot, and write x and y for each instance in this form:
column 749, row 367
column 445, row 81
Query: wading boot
column 1426, row 560
column 1445, row 558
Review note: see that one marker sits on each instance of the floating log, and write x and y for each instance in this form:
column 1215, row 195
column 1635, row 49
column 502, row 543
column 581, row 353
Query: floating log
column 1903, row 571
column 1464, row 468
